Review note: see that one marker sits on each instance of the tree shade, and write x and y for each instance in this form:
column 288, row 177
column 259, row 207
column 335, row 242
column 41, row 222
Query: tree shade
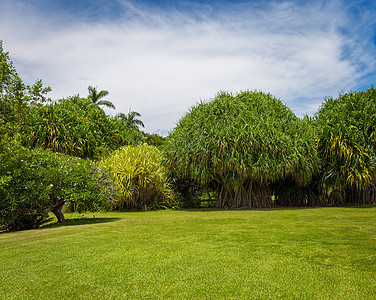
column 239, row 144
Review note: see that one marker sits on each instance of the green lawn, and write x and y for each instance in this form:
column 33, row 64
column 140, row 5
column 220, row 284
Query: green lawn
column 321, row 253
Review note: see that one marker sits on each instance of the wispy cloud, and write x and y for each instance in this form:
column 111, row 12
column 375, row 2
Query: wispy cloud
column 160, row 61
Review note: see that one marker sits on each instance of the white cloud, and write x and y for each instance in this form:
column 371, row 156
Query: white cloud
column 160, row 64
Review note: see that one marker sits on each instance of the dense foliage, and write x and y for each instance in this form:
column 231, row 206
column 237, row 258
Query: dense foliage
column 142, row 178
column 16, row 98
column 153, row 139
column 238, row 144
column 34, row 182
column 76, row 126
column 346, row 145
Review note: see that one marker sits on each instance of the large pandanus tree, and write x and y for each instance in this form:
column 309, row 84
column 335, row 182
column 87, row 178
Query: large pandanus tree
column 239, row 144
column 346, row 145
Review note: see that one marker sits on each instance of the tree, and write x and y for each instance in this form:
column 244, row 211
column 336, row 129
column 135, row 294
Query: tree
column 239, row 144
column 35, row 181
column 346, row 129
column 131, row 119
column 16, row 98
column 74, row 126
column 153, row 139
column 95, row 97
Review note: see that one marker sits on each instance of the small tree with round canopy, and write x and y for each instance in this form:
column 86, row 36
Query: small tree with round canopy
column 239, row 144
column 36, row 181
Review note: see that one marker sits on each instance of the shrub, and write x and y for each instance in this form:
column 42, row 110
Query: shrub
column 33, row 182
column 142, row 179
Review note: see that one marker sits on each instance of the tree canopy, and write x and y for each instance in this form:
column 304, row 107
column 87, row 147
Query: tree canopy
column 76, row 127
column 35, row 181
column 16, row 98
column 240, row 143
column 346, row 143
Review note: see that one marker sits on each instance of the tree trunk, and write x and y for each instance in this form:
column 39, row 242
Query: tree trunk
column 250, row 194
column 56, row 209
column 59, row 215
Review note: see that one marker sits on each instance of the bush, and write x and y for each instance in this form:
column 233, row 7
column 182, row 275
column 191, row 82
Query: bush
column 34, row 182
column 142, row 179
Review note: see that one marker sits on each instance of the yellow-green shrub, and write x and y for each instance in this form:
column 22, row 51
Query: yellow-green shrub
column 142, row 178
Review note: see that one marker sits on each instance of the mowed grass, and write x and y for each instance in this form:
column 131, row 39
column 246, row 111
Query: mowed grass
column 315, row 253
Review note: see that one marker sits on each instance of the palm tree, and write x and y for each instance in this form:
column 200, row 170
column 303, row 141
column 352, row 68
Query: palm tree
column 131, row 119
column 95, row 97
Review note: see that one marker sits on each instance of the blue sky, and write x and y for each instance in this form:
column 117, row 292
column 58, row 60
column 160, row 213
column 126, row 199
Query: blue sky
column 161, row 57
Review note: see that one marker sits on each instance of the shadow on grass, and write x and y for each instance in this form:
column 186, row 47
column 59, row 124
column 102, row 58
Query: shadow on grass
column 213, row 209
column 78, row 221
column 274, row 208
column 52, row 223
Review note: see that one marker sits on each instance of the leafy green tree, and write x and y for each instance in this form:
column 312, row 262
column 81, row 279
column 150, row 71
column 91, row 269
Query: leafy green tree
column 153, row 139
column 346, row 145
column 96, row 97
column 74, row 126
column 16, row 98
column 35, row 181
column 239, row 144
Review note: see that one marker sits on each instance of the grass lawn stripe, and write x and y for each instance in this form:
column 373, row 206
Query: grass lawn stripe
column 322, row 253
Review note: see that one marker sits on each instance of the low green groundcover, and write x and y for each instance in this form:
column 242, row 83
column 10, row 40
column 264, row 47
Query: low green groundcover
column 315, row 253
